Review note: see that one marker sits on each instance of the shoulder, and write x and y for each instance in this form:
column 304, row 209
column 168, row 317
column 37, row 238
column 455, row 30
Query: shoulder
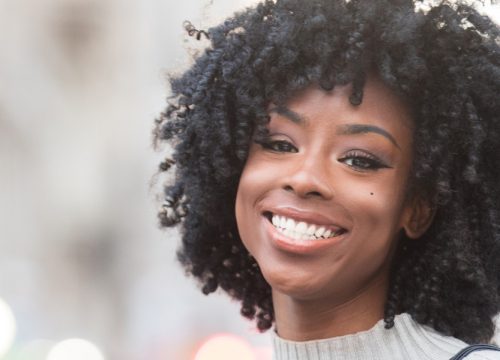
column 431, row 344
column 484, row 355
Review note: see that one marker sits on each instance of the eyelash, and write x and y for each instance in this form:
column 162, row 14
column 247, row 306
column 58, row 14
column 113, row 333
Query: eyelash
column 369, row 162
column 269, row 144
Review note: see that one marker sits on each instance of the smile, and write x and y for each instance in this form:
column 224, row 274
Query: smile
column 301, row 230
column 301, row 237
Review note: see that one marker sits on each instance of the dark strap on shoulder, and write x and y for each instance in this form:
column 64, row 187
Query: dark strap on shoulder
column 471, row 348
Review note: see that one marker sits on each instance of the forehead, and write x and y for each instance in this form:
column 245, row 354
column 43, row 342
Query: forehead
column 381, row 107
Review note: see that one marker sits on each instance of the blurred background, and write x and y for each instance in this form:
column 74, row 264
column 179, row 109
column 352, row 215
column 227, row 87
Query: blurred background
column 85, row 273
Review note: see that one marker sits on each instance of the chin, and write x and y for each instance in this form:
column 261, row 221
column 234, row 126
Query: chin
column 294, row 283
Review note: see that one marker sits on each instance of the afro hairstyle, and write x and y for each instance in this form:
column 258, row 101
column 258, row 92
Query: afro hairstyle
column 443, row 59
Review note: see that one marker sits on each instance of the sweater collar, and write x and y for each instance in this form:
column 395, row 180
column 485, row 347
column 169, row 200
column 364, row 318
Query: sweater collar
column 406, row 340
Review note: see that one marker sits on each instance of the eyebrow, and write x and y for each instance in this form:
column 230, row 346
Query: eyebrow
column 351, row 129
column 289, row 114
column 348, row 129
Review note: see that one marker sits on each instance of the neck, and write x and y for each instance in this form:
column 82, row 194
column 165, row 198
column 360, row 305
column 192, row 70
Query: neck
column 311, row 319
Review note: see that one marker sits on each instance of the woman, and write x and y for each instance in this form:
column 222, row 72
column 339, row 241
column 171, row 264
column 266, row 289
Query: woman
column 337, row 171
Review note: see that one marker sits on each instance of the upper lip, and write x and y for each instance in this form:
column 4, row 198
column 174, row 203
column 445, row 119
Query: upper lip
column 307, row 216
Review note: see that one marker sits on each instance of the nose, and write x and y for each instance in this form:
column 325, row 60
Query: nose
column 309, row 178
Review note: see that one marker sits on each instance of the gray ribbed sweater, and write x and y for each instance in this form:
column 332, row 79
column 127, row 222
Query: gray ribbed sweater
column 407, row 340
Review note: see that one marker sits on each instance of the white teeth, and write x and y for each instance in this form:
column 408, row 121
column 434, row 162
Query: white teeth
column 300, row 230
column 319, row 232
column 301, row 227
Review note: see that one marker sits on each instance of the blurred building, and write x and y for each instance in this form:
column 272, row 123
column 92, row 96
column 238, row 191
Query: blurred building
column 81, row 82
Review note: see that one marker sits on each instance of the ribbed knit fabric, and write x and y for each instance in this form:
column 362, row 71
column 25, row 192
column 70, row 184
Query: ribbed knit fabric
column 407, row 340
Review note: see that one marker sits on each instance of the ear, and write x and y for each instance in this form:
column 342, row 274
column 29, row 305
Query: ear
column 418, row 217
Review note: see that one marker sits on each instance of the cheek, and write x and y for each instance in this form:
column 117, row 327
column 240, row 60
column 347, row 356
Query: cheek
column 376, row 225
column 242, row 196
column 257, row 177
column 376, row 206
column 253, row 184
column 241, row 213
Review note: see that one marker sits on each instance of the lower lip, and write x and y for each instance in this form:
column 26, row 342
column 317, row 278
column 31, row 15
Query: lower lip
column 287, row 244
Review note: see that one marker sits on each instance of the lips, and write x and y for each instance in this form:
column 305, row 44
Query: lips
column 304, row 216
column 290, row 244
column 283, row 222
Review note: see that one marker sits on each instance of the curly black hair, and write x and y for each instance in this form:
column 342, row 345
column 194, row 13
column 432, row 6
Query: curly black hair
column 444, row 60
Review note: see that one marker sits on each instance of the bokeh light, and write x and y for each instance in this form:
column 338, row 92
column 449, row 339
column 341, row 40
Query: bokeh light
column 75, row 349
column 7, row 327
column 34, row 350
column 264, row 353
column 225, row 347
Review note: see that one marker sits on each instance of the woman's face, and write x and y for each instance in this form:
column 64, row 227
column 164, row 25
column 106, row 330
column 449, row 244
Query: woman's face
column 329, row 169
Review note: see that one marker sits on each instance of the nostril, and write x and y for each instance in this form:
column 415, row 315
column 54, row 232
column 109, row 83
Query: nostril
column 308, row 191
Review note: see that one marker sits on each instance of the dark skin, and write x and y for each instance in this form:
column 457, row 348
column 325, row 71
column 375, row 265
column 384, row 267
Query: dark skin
column 346, row 168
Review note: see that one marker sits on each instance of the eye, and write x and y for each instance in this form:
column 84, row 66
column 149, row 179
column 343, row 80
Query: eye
column 361, row 161
column 278, row 145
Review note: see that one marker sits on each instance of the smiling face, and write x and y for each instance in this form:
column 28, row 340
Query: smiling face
column 329, row 169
